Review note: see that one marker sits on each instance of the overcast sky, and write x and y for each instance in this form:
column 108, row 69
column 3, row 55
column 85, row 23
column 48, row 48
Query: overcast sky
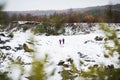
column 22, row 5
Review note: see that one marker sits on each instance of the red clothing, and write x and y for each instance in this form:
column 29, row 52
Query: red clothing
column 60, row 41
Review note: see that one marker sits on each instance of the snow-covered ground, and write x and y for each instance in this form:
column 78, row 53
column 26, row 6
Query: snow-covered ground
column 82, row 47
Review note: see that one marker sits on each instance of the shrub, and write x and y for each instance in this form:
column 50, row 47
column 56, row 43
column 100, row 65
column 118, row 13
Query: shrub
column 39, row 29
column 49, row 29
column 11, row 35
column 3, row 76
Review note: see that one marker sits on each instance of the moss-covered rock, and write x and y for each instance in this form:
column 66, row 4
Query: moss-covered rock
column 26, row 48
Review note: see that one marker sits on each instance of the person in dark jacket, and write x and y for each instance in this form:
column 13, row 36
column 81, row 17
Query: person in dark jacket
column 60, row 41
column 63, row 40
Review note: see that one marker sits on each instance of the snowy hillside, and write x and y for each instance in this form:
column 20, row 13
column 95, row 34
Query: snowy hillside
column 80, row 47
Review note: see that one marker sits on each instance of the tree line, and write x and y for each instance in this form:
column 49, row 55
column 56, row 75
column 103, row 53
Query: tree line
column 108, row 15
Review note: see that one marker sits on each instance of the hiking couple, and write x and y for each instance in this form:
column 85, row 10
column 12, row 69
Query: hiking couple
column 62, row 41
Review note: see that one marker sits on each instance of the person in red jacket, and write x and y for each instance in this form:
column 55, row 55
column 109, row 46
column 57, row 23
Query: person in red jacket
column 60, row 41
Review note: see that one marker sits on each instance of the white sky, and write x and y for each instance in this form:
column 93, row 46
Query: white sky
column 22, row 5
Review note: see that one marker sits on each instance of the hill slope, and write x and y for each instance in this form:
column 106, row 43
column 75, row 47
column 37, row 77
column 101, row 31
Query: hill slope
column 50, row 12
